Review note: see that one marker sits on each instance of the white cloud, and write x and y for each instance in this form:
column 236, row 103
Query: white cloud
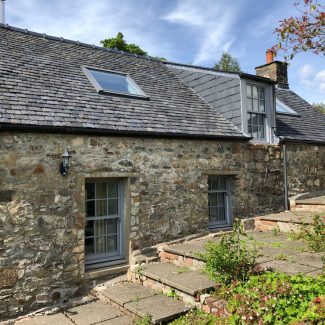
column 314, row 80
column 89, row 21
column 210, row 23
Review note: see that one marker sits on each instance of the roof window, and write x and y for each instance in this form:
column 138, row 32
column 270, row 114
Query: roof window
column 282, row 108
column 112, row 82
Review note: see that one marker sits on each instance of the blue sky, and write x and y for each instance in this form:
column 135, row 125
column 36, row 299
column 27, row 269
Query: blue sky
column 185, row 31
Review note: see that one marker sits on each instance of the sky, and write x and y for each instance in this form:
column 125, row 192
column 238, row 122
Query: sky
column 185, row 31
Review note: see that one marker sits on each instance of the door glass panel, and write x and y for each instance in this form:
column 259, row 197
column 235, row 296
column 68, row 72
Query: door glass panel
column 103, row 227
column 212, row 199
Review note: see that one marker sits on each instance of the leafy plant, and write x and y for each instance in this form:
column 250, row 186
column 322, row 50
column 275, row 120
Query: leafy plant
column 196, row 317
column 313, row 234
column 230, row 259
column 275, row 298
column 146, row 320
column 172, row 294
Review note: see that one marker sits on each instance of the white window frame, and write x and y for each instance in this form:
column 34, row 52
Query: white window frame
column 101, row 90
column 289, row 111
column 269, row 110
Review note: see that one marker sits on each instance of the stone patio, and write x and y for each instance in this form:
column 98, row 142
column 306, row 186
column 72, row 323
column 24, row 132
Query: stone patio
column 120, row 303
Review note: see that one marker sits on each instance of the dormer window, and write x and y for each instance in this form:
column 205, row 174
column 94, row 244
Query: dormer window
column 112, row 82
column 256, row 111
column 282, row 108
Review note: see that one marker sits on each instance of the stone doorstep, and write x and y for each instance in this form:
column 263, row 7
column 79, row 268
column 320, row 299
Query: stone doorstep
column 137, row 301
column 190, row 282
column 305, row 207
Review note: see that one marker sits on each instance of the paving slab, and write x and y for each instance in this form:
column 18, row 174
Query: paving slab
column 187, row 249
column 185, row 280
column 92, row 313
column 127, row 292
column 310, row 259
column 160, row 307
column 298, row 217
column 288, row 267
column 57, row 319
column 121, row 320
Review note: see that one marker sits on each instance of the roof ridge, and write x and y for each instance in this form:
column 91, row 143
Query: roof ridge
column 65, row 40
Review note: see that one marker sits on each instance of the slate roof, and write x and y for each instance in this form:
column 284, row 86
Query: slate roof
column 42, row 86
column 309, row 126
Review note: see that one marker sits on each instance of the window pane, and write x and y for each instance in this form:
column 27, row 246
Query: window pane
column 255, row 105
column 114, row 82
column 112, row 207
column 101, row 190
column 262, row 106
column 111, row 243
column 100, row 244
column 222, row 213
column 249, row 104
column 222, row 183
column 112, row 190
column 212, row 199
column 112, row 226
column 255, row 131
column 89, row 229
column 90, row 209
column 100, row 227
column 249, row 91
column 255, row 92
column 89, row 246
column 90, row 191
column 221, row 199
column 101, row 208
column 261, row 93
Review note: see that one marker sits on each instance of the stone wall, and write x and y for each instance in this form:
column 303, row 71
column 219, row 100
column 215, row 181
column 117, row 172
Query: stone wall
column 306, row 168
column 42, row 213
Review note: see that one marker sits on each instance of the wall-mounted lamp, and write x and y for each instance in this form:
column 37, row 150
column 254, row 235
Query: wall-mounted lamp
column 65, row 163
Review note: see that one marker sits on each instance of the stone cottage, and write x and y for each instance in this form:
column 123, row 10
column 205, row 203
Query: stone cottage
column 103, row 153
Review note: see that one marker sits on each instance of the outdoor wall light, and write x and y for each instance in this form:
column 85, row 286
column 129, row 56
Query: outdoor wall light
column 65, row 163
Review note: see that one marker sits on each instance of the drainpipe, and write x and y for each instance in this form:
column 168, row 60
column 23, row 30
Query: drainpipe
column 2, row 12
column 285, row 175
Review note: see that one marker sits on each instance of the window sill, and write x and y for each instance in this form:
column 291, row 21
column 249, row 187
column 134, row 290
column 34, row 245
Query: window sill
column 98, row 273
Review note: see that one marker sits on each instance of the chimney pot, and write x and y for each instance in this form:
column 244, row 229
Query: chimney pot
column 269, row 56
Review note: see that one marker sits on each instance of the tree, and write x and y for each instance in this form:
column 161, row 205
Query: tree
column 320, row 107
column 227, row 63
column 302, row 33
column 118, row 43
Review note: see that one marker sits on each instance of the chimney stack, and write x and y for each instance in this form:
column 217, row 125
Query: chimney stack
column 2, row 12
column 275, row 70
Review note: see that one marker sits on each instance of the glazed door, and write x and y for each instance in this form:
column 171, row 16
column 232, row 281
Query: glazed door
column 104, row 231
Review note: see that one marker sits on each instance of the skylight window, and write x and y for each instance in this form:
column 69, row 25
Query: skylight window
column 282, row 108
column 113, row 82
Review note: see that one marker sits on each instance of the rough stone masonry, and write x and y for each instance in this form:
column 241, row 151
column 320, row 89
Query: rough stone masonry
column 42, row 214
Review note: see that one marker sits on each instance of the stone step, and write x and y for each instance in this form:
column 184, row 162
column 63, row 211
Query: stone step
column 185, row 284
column 138, row 301
column 308, row 207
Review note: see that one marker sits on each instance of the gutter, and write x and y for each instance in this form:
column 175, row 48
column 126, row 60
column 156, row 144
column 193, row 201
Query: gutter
column 285, row 173
column 91, row 131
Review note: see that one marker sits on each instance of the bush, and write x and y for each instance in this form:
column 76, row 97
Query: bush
column 275, row 298
column 196, row 317
column 314, row 234
column 230, row 259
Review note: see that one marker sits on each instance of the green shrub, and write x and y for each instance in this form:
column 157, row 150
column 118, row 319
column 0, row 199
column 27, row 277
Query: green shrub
column 275, row 298
column 230, row 259
column 196, row 317
column 314, row 234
